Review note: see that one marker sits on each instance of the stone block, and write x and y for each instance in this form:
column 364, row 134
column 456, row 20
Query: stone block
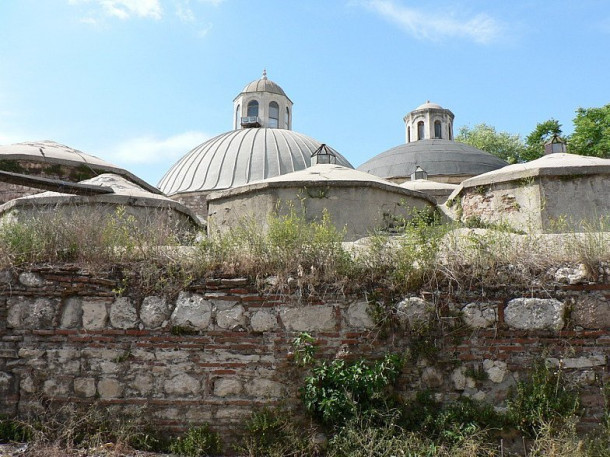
column 496, row 370
column 143, row 384
column 414, row 311
column 578, row 362
column 535, row 314
column 56, row 387
column 182, row 385
column 6, row 384
column 27, row 384
column 591, row 312
column 231, row 318
column 192, row 311
column 263, row 321
column 72, row 313
column 154, row 311
column 358, row 316
column 123, row 313
column 432, row 378
column 109, row 388
column 319, row 318
column 460, row 380
column 264, row 388
column 227, row 387
column 84, row 387
column 29, row 279
column 95, row 314
column 480, row 315
column 569, row 275
column 23, row 312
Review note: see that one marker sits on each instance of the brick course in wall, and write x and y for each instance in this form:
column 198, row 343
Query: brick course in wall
column 220, row 350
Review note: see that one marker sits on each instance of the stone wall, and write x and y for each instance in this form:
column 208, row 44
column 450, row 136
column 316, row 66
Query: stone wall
column 220, row 350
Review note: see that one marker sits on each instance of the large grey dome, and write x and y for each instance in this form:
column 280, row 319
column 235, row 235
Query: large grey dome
column 239, row 157
column 439, row 158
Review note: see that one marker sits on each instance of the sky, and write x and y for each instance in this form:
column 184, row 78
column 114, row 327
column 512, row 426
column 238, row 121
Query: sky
column 139, row 83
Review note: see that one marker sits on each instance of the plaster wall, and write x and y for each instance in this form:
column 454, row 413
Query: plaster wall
column 360, row 209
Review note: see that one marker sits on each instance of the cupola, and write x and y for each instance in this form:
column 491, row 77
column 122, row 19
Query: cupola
column 262, row 103
column 429, row 121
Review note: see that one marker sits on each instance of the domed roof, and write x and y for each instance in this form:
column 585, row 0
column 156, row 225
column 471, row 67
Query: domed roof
column 51, row 152
column 264, row 85
column 429, row 105
column 558, row 164
column 437, row 157
column 240, row 157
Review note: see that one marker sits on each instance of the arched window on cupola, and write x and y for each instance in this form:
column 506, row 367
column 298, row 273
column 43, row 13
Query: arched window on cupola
column 252, row 108
column 408, row 134
column 450, row 133
column 237, row 116
column 420, row 130
column 287, row 119
column 437, row 129
column 274, row 115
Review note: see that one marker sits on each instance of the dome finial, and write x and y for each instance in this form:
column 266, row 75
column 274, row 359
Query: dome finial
column 264, row 73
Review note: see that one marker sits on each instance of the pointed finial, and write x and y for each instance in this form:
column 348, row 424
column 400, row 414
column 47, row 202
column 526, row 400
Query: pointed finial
column 264, row 73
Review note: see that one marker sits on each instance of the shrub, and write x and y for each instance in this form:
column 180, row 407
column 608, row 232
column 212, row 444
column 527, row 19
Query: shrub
column 275, row 433
column 545, row 399
column 196, row 442
column 337, row 391
column 13, row 431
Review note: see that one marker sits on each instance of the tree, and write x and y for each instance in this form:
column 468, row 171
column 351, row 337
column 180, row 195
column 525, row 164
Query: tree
column 591, row 135
column 534, row 143
column 504, row 145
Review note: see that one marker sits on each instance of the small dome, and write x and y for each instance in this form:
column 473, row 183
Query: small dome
column 438, row 157
column 429, row 105
column 264, row 85
column 239, row 157
column 52, row 153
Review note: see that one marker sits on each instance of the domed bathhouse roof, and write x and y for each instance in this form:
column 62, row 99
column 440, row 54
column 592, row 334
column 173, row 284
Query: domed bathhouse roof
column 322, row 187
column 555, row 193
column 430, row 145
column 57, row 161
column 104, row 193
column 443, row 160
column 437, row 190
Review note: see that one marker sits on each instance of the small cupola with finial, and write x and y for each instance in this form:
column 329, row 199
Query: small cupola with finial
column 262, row 104
column 429, row 122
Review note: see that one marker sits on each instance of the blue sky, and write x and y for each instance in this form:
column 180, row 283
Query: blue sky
column 141, row 82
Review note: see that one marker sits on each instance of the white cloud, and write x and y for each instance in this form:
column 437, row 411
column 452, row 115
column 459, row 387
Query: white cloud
column 150, row 150
column 126, row 9
column 480, row 28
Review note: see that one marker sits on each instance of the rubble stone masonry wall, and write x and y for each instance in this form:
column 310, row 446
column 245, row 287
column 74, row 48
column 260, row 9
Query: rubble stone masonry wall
column 220, row 349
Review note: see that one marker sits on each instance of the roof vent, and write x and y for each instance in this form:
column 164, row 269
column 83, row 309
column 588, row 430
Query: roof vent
column 323, row 155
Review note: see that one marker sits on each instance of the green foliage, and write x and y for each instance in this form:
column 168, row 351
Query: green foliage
column 338, row 390
column 12, row 166
column 275, row 433
column 591, row 135
column 13, row 431
column 506, row 146
column 451, row 423
column 196, row 442
column 544, row 398
column 535, row 141
column 304, row 349
column 179, row 330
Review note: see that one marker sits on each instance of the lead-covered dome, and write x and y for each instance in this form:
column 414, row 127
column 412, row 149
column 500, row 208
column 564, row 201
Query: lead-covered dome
column 239, row 157
column 443, row 160
column 264, row 85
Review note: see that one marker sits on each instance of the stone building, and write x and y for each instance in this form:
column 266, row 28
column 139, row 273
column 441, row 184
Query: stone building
column 261, row 146
column 49, row 159
column 357, row 201
column 555, row 193
column 102, row 195
column 431, row 146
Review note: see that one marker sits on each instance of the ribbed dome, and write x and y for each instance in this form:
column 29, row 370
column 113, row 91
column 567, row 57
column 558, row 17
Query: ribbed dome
column 240, row 157
column 264, row 85
column 436, row 157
